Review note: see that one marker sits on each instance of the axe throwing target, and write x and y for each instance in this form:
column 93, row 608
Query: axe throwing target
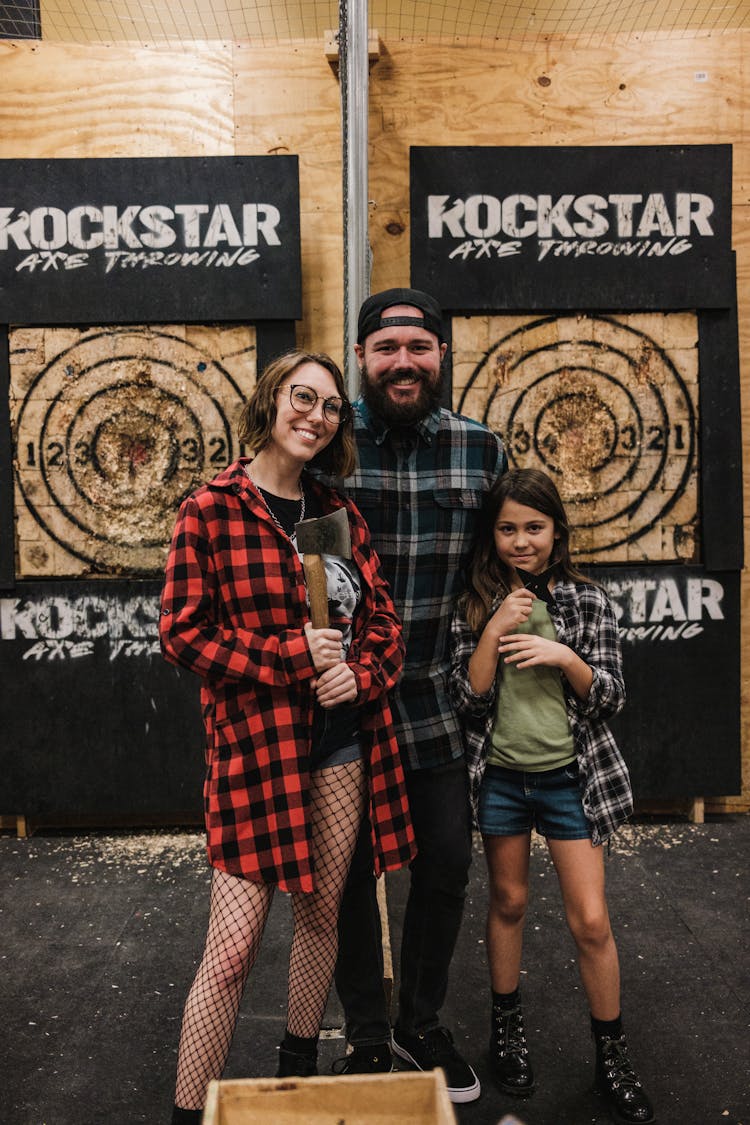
column 607, row 406
column 113, row 428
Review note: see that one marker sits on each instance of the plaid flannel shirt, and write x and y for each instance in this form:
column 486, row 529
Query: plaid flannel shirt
column 421, row 493
column 233, row 610
column 583, row 620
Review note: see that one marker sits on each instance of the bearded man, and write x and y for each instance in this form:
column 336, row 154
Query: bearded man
column 422, row 474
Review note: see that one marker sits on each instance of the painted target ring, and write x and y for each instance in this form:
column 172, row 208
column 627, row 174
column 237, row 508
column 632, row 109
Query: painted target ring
column 113, row 432
column 602, row 408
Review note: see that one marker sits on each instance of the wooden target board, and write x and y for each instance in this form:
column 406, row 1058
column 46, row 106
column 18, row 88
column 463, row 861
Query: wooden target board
column 113, row 427
column 608, row 407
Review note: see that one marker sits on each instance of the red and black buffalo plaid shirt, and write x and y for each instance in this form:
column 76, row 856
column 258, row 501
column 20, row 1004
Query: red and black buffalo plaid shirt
column 233, row 610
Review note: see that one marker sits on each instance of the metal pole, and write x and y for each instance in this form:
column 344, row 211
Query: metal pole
column 354, row 73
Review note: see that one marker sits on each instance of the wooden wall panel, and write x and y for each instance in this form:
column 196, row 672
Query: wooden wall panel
column 658, row 92
column 75, row 101
column 288, row 101
column 624, row 94
column 220, row 99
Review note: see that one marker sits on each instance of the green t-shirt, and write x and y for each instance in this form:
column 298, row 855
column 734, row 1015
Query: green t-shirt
column 531, row 730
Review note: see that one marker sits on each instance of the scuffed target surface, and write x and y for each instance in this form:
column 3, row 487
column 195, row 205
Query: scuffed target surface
column 608, row 406
column 113, row 427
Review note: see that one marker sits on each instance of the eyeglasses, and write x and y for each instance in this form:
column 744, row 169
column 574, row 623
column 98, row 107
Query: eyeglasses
column 304, row 399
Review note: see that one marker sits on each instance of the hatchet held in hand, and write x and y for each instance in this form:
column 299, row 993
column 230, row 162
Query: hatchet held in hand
column 326, row 535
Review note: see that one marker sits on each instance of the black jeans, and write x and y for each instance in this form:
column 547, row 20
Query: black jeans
column 439, row 803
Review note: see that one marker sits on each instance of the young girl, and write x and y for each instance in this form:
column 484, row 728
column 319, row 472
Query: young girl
column 536, row 672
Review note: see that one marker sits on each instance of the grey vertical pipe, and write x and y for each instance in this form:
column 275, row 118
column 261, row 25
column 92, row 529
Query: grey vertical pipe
column 354, row 72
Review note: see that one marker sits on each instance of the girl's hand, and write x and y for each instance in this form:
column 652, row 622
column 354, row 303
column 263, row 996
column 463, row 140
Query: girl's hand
column 325, row 647
column 483, row 663
column 516, row 609
column 335, row 686
column 526, row 650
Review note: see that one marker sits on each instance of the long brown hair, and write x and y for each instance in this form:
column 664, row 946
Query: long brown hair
column 487, row 576
column 259, row 413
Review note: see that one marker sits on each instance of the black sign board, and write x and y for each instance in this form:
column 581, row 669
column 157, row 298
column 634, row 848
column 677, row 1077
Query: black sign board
column 680, row 634
column 95, row 722
column 606, row 227
column 128, row 240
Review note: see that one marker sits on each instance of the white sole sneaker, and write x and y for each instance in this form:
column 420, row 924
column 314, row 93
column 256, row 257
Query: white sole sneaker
column 457, row 1094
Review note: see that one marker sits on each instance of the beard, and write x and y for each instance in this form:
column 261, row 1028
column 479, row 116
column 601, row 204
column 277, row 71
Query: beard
column 402, row 415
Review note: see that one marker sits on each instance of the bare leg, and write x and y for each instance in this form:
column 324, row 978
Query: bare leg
column 580, row 869
column 238, row 914
column 508, row 866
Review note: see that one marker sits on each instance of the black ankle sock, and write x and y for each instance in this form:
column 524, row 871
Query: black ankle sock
column 299, row 1044
column 506, row 1001
column 607, row 1029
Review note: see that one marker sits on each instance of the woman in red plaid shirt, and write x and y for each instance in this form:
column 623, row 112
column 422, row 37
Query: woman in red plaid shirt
column 299, row 739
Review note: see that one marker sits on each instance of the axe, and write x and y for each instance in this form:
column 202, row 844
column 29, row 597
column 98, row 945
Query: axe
column 327, row 535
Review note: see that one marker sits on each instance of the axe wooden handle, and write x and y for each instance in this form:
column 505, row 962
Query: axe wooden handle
column 317, row 590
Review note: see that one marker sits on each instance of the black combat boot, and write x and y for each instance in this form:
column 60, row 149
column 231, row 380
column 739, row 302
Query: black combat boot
column 509, row 1055
column 618, row 1083
column 182, row 1116
column 298, row 1057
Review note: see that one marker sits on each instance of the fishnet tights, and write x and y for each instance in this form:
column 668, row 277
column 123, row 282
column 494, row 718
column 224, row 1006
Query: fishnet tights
column 237, row 917
column 337, row 809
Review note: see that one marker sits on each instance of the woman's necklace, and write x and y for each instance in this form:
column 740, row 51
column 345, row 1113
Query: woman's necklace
column 270, row 510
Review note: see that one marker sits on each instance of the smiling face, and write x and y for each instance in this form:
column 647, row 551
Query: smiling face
column 299, row 437
column 524, row 537
column 400, row 366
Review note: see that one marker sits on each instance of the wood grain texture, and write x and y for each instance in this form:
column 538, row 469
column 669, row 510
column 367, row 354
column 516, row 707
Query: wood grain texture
column 287, row 101
column 100, row 101
column 637, row 95
column 59, row 100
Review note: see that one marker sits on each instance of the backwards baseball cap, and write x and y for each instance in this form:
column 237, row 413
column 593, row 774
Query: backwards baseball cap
column 371, row 317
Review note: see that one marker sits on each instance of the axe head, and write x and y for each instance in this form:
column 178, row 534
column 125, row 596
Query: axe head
column 327, row 535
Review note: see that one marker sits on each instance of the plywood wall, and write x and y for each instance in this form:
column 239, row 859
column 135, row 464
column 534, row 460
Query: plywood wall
column 224, row 99
column 659, row 92
column 211, row 100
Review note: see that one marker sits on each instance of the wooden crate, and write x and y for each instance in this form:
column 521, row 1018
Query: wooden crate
column 357, row 1099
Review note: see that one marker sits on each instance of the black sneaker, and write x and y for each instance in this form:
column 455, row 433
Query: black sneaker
column 373, row 1059
column 435, row 1048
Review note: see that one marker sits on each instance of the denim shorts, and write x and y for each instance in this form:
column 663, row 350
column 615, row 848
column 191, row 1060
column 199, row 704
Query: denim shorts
column 512, row 802
column 340, row 757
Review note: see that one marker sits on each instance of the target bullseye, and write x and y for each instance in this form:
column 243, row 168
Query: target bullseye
column 607, row 410
column 113, row 431
column 575, row 427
